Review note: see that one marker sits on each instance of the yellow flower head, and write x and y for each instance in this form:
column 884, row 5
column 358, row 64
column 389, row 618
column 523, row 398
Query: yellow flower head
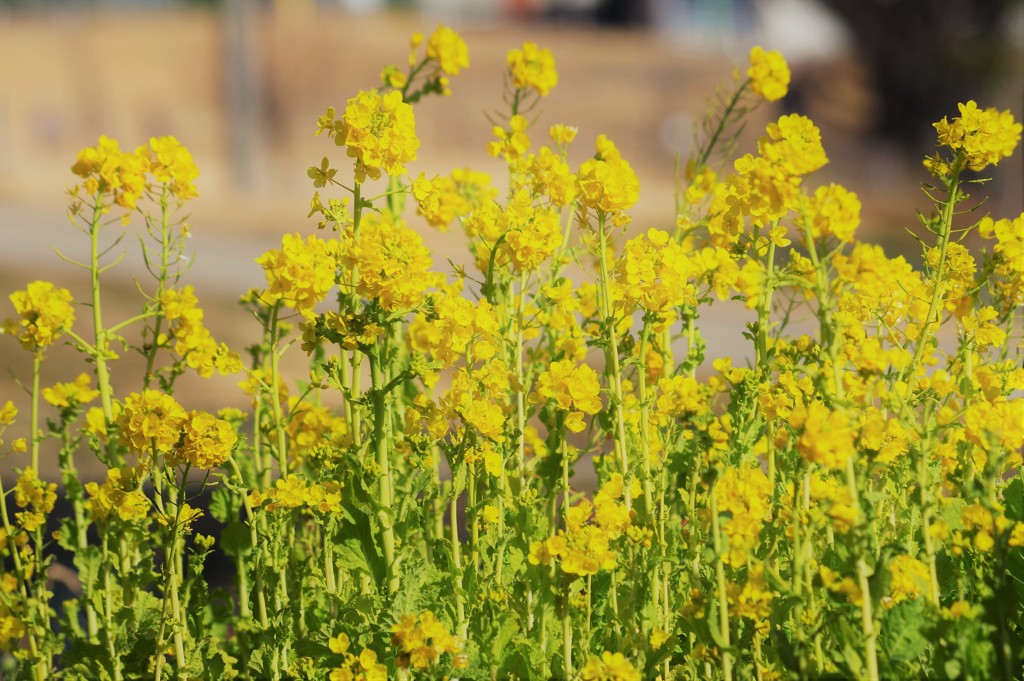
column 392, row 263
column 45, row 310
column 607, row 181
column 151, row 419
column 170, row 163
column 422, row 640
column 301, row 273
column 768, row 73
column 75, row 393
column 379, row 131
column 833, row 211
column 105, row 169
column 207, row 442
column 532, row 68
column 982, row 136
column 609, row 667
column 448, row 49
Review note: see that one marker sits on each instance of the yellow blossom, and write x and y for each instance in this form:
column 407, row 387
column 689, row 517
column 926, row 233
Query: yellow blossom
column 532, row 68
column 768, row 73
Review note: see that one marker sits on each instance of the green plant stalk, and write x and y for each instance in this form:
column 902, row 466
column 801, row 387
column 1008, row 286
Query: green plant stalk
column 945, row 229
column 172, row 583
column 34, row 422
column 460, row 607
column 653, row 511
column 161, row 285
column 764, row 309
column 381, row 423
column 275, row 393
column 521, row 378
column 109, row 630
column 100, row 336
column 829, row 340
column 723, row 594
column 867, row 617
column 73, row 490
column 565, row 614
column 613, row 355
column 38, row 667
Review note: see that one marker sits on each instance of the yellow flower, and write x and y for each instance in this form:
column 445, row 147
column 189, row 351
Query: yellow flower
column 827, row 438
column 171, row 164
column 8, row 413
column 768, row 73
column 910, row 579
column 46, row 312
column 570, row 386
column 982, row 136
column 208, row 441
column 744, row 493
column 108, row 170
column 654, row 273
column 833, row 211
column 448, row 49
column 301, row 273
column 609, row 667
column 511, row 143
column 151, row 419
column 70, row 394
column 532, row 68
column 562, row 134
column 607, row 182
column 392, row 263
column 422, row 640
column 379, row 131
column 439, row 200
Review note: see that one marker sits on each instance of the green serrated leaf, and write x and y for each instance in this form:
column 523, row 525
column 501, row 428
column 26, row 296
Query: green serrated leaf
column 224, row 505
column 236, row 540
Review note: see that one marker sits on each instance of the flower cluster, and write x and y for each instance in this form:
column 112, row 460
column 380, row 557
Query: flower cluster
column 301, row 273
column 983, row 137
column 151, row 420
column 532, row 68
column 361, row 667
column 377, row 130
column 768, row 74
column 607, row 182
column 574, row 389
column 422, row 640
column 609, row 667
column 46, row 311
column 391, row 263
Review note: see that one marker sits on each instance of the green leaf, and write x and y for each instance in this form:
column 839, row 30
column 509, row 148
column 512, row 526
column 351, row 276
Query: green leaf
column 901, row 635
column 1013, row 499
column 236, row 540
column 224, row 505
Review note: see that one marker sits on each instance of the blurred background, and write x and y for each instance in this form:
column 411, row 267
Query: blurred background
column 241, row 83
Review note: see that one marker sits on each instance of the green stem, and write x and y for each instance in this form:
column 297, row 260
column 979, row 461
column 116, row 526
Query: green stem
column 100, row 335
column 613, row 354
column 723, row 594
column 381, row 423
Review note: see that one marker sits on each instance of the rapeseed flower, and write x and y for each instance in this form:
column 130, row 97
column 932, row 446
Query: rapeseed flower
column 377, row 130
column 982, row 137
column 448, row 49
column 46, row 311
column 151, row 419
column 531, row 67
column 609, row 667
column 768, row 73
column 301, row 273
column 607, row 181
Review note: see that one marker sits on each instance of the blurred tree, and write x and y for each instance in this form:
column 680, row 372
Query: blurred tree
column 924, row 56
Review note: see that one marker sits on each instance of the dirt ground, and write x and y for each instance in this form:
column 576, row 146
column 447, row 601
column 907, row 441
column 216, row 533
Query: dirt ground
column 65, row 79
